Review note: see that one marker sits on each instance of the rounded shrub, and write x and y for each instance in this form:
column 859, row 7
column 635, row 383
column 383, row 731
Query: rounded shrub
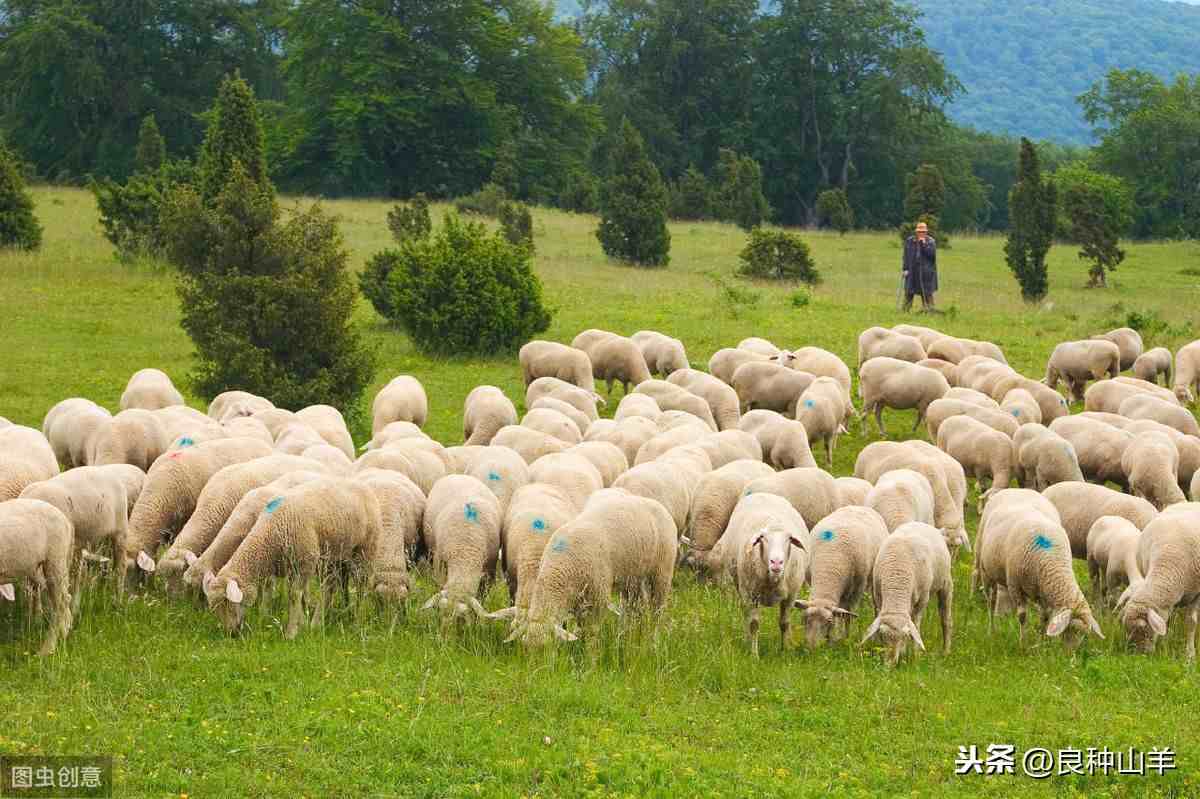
column 516, row 222
column 410, row 220
column 778, row 255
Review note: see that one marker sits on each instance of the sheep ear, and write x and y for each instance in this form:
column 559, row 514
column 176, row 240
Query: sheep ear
column 476, row 606
column 1059, row 623
column 1093, row 625
column 758, row 539
column 189, row 557
column 800, row 603
column 208, row 578
column 561, row 633
column 8, row 593
column 844, row 612
column 233, row 593
column 503, row 615
column 964, row 541
column 145, row 562
column 1157, row 622
column 874, row 628
column 797, row 542
column 916, row 635
column 683, row 539
column 1124, row 597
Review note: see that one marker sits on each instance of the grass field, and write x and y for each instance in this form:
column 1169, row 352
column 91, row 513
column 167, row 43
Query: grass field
column 680, row 709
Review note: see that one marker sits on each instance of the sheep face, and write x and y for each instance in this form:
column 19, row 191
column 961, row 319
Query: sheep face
column 784, row 358
column 228, row 601
column 1073, row 625
column 894, row 632
column 817, row 622
column 773, row 547
column 1143, row 625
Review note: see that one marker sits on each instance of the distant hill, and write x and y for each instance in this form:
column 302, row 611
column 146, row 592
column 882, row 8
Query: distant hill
column 1024, row 62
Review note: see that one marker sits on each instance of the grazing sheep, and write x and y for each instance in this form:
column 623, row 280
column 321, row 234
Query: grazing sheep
column 628, row 435
column 844, row 547
column 1023, row 548
column 1187, row 446
column 732, row 445
column 982, row 452
column 608, row 459
column 946, row 408
column 1151, row 466
column 758, row 345
column 981, row 374
column 945, row 476
column 1043, row 458
column 330, row 457
column 25, row 458
column 813, row 492
column 671, row 397
column 1077, row 362
column 765, row 552
column 637, row 405
column 1079, row 505
column 879, row 342
column 770, row 386
column 275, row 419
column 726, row 361
column 822, row 363
column 1187, row 373
column 553, row 423
column 71, row 428
column 1150, row 365
column 912, row 563
column 135, row 436
column 330, row 425
column 581, row 420
column 664, row 442
column 235, row 404
column 901, row 496
column 852, row 491
column 614, row 358
column 823, row 409
column 1098, row 446
column 295, row 437
column 423, row 468
column 323, row 526
column 663, row 354
column 670, row 480
column 246, row 427
column 1112, row 545
column 784, row 442
column 401, row 510
column 722, row 399
column 1107, row 395
column 949, row 370
column 1050, row 402
column 1145, row 406
column 669, row 420
column 1194, row 492
column 574, row 475
column 501, row 469
column 1172, row 580
column 569, row 393
column 955, row 350
column 150, row 389
column 401, row 400
column 973, row 397
column 888, row 382
column 462, row 534
column 35, row 546
column 1021, row 405
column 926, row 335
column 485, row 412
column 551, row 359
column 716, row 495
column 4, row 423
column 530, row 444
column 1129, row 343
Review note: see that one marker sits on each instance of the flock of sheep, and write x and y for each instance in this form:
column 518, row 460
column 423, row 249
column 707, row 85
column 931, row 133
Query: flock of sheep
column 710, row 471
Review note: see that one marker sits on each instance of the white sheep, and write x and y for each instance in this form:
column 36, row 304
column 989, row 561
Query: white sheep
column 608, row 459
column 725, row 362
column 275, row 419
column 716, row 495
column 1172, row 580
column 295, row 437
column 941, row 410
column 422, row 467
column 813, row 492
column 245, row 427
column 551, row 359
column 401, row 512
column 582, row 399
column 35, row 546
column 1042, row 458
column 878, row 342
column 852, row 491
column 982, row 373
column 926, row 335
column 901, row 496
column 1145, row 406
column 733, row 445
column 765, row 552
column 892, row 383
column 982, row 452
column 330, row 457
column 912, row 563
column 529, row 443
column 1112, row 545
column 678, row 436
column 614, row 359
column 722, row 399
column 823, row 363
column 759, row 345
column 1098, row 446
column 1022, row 406
column 71, row 427
column 330, row 426
column 1052, row 404
column 950, row 371
column 485, row 412
column 235, row 404
column 502, row 470
column 770, row 386
column 1151, row 466
column 844, row 547
column 637, row 405
column 1107, row 395
column 150, row 389
column 628, row 435
column 1153, row 363
column 26, row 457
column 671, row 397
column 401, row 400
column 823, row 409
column 1079, row 505
column 553, row 423
column 461, row 532
column 784, row 442
column 1077, row 362
column 573, row 474
column 956, row 350
column 581, row 419
column 970, row 395
column 663, row 354
column 1129, row 343
column 670, row 480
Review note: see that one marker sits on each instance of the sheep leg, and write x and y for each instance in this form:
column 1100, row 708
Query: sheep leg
column 319, row 602
column 1097, row 581
column 296, row 590
column 752, row 622
column 1022, row 613
column 879, row 419
column 945, row 599
column 785, row 623
column 993, row 602
column 60, row 606
column 920, row 418
column 829, row 451
column 77, row 568
column 1193, row 617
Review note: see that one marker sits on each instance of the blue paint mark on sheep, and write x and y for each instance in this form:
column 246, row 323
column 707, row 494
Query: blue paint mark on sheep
column 827, row 535
column 538, row 525
column 809, row 404
column 186, row 442
column 1041, row 542
column 470, row 513
column 493, row 477
column 274, row 504
column 559, row 545
column 1016, row 411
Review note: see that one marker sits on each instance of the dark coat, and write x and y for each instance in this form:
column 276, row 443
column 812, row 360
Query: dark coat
column 920, row 261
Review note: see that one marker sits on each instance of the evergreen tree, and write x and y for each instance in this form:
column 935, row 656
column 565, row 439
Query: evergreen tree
column 151, row 149
column 1032, row 212
column 18, row 226
column 1096, row 211
column 234, row 134
column 633, row 204
column 739, row 194
column 924, row 192
column 691, row 196
column 833, row 209
column 504, row 173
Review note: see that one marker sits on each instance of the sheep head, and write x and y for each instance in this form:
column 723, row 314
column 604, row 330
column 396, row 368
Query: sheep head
column 894, row 631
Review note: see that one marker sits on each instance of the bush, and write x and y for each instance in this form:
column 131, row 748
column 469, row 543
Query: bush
column 801, row 298
column 1096, row 210
column 739, row 196
column 779, row 255
column 411, row 220
column 19, row 228
column 691, row 196
column 130, row 213
column 151, row 151
column 633, row 205
column 833, row 210
column 463, row 290
column 580, row 193
column 484, row 202
column 516, row 223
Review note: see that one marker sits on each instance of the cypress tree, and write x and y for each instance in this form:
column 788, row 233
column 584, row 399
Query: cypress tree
column 18, row 226
column 234, row 134
column 151, row 149
column 1032, row 212
column 633, row 204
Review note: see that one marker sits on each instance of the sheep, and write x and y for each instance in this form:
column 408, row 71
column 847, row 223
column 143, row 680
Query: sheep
column 325, row 524
column 135, row 436
column 619, row 541
column 912, row 563
column 982, row 373
column 725, row 362
column 670, row 480
column 530, row 444
column 581, row 399
column 982, row 452
column 945, row 476
column 1021, row 405
column 949, row 370
column 423, row 468
column 1187, row 373
column 95, row 501
column 663, row 354
column 1194, row 490
column 172, row 489
column 71, row 426
column 36, row 540
column 822, row 363
column 955, row 350
column 485, row 411
column 732, row 445
column 671, row 397
column 758, row 345
column 553, row 423
column 888, row 382
column 765, row 552
column 1098, row 446
column 422, row 444
column 812, row 492
column 573, row 474
column 970, row 395
column 637, row 405
column 946, row 408
column 1079, row 505
column 901, row 496
column 4, row 423
column 1042, row 458
column 662, row 443
column 628, row 435
column 1187, row 446
column 401, row 400
column 246, row 427
column 330, row 457
column 295, row 437
column 721, row 398
column 1107, row 395
column 1151, row 466
column 1145, row 406
column 608, row 459
column 669, row 420
column 134, row 480
column 844, row 547
column 235, row 404
column 26, row 457
column 401, row 512
column 852, row 491
column 1077, row 362
column 614, row 359
column 716, row 495
column 784, row 442
column 1023, row 548
column 1153, row 363
column 770, row 386
column 1129, row 343
column 823, row 410
column 581, row 419
column 502, row 470
column 461, row 531
column 550, row 359
column 330, row 425
column 1050, row 402
column 926, row 335
column 1112, row 545
column 878, row 342
column 1172, row 580
column 150, row 389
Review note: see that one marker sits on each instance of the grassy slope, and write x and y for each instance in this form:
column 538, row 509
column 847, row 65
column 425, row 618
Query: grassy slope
column 359, row 709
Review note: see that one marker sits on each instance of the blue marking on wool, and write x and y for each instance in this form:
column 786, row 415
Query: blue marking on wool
column 809, row 404
column 559, row 545
column 470, row 513
column 827, row 535
column 1041, row 542
column 493, row 477
column 274, row 504
column 186, row 442
column 1016, row 412
column 539, row 525
column 748, row 492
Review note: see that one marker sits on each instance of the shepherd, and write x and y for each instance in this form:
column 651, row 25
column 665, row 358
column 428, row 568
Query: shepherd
column 920, row 268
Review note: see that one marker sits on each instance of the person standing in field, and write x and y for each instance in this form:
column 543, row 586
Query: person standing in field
column 920, row 268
